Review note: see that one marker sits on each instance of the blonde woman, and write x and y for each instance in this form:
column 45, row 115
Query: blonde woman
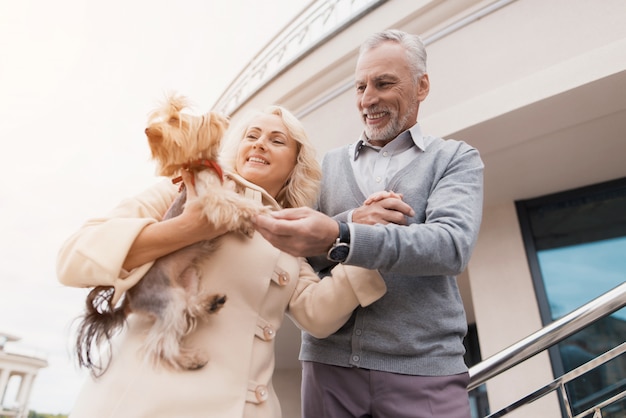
column 271, row 160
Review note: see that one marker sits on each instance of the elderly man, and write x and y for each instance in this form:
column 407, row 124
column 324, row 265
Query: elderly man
column 410, row 206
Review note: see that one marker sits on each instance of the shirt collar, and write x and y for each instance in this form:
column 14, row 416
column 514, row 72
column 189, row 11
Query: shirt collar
column 413, row 134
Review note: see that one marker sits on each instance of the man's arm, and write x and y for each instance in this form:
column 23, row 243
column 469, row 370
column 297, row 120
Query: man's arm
column 441, row 238
column 440, row 243
column 304, row 232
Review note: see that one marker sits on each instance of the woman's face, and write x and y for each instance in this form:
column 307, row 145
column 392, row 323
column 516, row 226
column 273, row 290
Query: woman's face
column 266, row 154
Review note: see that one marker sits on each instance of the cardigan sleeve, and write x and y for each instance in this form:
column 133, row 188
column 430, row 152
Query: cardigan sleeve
column 94, row 255
column 321, row 307
column 447, row 197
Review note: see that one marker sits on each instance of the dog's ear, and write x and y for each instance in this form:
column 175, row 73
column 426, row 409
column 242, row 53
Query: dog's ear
column 175, row 104
column 219, row 123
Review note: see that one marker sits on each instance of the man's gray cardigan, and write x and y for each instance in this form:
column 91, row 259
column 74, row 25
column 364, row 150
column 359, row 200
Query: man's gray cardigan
column 418, row 327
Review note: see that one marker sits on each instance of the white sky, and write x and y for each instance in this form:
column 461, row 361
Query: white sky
column 77, row 80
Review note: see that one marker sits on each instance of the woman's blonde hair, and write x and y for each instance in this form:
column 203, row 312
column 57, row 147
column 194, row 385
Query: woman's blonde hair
column 302, row 186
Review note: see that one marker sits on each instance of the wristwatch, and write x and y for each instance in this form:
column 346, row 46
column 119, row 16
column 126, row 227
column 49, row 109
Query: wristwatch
column 341, row 247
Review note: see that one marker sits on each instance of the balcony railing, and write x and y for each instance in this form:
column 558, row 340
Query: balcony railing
column 311, row 28
column 545, row 338
column 315, row 25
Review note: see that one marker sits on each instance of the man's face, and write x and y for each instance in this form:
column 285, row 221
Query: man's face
column 387, row 98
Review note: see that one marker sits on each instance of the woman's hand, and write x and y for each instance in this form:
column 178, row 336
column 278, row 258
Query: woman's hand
column 301, row 232
column 161, row 238
column 192, row 222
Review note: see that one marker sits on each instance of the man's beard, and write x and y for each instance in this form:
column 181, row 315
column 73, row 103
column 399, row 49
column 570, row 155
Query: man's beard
column 393, row 128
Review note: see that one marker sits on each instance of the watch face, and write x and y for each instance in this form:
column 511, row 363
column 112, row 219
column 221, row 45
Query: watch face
column 339, row 252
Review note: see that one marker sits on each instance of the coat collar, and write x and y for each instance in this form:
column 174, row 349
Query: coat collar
column 252, row 191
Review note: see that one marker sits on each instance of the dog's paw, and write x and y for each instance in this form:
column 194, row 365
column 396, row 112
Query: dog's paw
column 214, row 303
column 193, row 361
column 246, row 227
column 247, row 216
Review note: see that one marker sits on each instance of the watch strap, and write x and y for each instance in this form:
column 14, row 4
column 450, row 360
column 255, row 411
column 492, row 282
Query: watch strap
column 341, row 247
column 344, row 232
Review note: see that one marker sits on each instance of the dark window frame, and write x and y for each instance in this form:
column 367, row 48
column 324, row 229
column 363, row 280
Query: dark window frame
column 523, row 208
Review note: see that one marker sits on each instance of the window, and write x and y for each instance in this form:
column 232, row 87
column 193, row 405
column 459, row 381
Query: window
column 576, row 247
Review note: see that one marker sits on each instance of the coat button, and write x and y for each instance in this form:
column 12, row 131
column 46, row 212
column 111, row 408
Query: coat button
column 268, row 332
column 261, row 393
column 283, row 278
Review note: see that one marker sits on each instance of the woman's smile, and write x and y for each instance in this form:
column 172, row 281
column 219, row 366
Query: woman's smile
column 267, row 154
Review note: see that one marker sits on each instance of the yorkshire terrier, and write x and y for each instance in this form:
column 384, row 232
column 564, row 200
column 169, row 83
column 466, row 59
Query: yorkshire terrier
column 170, row 292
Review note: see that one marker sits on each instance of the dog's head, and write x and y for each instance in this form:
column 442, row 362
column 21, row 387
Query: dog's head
column 177, row 138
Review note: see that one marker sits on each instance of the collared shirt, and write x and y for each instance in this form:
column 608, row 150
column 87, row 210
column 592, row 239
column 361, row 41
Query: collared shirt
column 375, row 166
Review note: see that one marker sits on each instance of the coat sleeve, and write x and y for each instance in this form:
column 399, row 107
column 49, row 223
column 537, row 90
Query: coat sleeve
column 94, row 255
column 321, row 307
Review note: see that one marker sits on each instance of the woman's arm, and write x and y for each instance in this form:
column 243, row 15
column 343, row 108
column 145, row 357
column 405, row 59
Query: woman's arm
column 321, row 307
column 161, row 238
column 118, row 249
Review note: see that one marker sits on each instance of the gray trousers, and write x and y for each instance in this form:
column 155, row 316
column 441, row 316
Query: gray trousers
column 345, row 392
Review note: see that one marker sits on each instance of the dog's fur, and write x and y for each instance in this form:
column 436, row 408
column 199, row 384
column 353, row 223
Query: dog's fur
column 170, row 292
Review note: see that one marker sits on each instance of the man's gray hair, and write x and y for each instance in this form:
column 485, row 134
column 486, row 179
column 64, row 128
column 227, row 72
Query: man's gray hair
column 415, row 49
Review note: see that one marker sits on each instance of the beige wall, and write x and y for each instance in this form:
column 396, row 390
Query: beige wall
column 506, row 310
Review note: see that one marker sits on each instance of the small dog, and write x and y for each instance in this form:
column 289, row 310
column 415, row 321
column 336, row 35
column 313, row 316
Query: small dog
column 170, row 291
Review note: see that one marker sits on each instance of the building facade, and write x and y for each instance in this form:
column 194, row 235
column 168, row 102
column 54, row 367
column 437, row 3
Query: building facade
column 539, row 88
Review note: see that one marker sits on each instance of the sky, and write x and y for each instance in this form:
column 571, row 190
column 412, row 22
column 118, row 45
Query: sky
column 77, row 81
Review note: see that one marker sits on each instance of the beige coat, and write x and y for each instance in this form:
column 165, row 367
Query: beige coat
column 261, row 284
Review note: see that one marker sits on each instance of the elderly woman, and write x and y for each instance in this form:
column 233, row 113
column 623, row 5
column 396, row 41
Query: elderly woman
column 271, row 160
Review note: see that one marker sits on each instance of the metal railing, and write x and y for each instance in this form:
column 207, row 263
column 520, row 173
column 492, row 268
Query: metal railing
column 545, row 338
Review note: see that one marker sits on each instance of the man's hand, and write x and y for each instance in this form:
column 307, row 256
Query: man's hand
column 301, row 232
column 383, row 208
